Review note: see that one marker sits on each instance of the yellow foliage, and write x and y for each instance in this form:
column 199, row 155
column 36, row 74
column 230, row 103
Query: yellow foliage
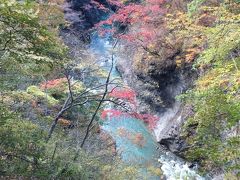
column 35, row 91
column 64, row 122
column 51, row 14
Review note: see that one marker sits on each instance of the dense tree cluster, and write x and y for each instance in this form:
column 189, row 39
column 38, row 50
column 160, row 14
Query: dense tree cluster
column 35, row 83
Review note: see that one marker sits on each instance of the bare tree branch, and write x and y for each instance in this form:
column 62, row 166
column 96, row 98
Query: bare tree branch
column 69, row 86
column 100, row 103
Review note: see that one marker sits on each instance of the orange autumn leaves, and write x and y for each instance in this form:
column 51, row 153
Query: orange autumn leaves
column 53, row 83
column 126, row 94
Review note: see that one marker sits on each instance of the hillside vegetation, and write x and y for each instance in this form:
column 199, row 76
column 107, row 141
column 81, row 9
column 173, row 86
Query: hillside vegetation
column 50, row 100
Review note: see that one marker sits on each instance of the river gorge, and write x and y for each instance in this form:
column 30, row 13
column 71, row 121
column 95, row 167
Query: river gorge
column 124, row 128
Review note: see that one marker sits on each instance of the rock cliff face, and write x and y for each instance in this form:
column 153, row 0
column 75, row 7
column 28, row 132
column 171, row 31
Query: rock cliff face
column 157, row 90
column 88, row 13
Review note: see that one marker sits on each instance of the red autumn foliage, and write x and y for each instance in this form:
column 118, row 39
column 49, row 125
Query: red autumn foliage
column 144, row 17
column 125, row 94
column 130, row 96
column 111, row 113
column 53, row 83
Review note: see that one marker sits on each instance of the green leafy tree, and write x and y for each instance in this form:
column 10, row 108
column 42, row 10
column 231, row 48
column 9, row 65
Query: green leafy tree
column 26, row 46
column 213, row 130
